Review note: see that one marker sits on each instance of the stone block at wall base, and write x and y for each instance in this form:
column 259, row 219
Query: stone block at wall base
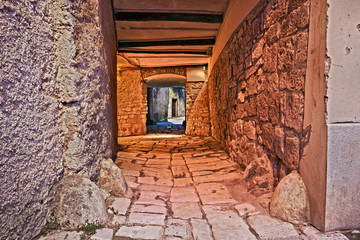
column 343, row 177
column 112, row 179
column 79, row 200
column 289, row 201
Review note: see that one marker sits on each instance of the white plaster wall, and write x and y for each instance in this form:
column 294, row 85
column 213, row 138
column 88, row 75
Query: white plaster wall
column 343, row 109
column 343, row 178
column 343, row 45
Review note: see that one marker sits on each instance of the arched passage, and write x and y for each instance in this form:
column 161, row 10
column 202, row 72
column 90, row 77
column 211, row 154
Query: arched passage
column 166, row 103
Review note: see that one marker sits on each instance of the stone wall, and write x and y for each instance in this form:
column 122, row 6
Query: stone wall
column 256, row 91
column 192, row 90
column 198, row 121
column 55, row 109
column 132, row 103
column 158, row 101
column 179, row 94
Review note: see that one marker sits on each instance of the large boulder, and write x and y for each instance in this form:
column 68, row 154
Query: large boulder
column 289, row 201
column 79, row 200
column 112, row 179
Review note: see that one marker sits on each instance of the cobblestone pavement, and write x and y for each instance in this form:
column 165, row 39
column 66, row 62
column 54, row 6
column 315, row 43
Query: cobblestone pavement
column 172, row 126
column 188, row 188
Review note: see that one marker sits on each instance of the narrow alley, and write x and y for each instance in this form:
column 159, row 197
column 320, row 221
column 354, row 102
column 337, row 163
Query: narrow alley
column 181, row 119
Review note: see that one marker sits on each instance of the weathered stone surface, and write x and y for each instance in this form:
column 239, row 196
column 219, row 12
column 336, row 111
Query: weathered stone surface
column 259, row 173
column 269, row 228
column 139, row 232
column 79, row 200
column 131, row 103
column 250, row 130
column 201, row 229
column 121, row 205
column 292, row 153
column 186, row 210
column 286, row 54
column 178, row 228
column 279, row 142
column 214, row 193
column 314, row 234
column 46, row 71
column 228, row 225
column 198, row 120
column 270, row 58
column 147, row 218
column 268, row 136
column 289, row 201
column 294, row 111
column 246, row 209
column 262, row 107
column 103, row 234
column 62, row 235
column 184, row 195
column 112, row 179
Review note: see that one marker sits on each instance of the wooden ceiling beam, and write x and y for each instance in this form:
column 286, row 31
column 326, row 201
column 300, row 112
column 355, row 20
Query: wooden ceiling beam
column 206, row 53
column 183, row 42
column 181, row 17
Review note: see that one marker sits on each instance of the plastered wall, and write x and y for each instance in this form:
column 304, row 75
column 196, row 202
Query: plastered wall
column 55, row 103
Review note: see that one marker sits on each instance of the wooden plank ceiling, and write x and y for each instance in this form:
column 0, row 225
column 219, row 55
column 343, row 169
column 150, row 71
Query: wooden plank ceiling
column 154, row 33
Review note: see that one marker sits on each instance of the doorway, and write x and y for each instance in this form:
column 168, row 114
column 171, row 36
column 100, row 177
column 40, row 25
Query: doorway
column 174, row 108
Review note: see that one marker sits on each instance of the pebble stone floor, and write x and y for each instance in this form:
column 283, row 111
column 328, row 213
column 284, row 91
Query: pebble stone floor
column 188, row 188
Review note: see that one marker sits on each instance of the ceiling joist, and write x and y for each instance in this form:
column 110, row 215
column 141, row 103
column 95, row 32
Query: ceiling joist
column 187, row 42
column 182, row 17
column 206, row 53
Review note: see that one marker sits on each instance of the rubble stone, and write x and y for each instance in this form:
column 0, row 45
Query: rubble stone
column 112, row 179
column 79, row 200
column 289, row 201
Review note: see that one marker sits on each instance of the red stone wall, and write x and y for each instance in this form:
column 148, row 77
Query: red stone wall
column 256, row 91
column 132, row 103
column 198, row 120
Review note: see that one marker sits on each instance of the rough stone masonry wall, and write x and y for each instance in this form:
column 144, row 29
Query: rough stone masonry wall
column 256, row 91
column 192, row 90
column 198, row 120
column 131, row 102
column 55, row 111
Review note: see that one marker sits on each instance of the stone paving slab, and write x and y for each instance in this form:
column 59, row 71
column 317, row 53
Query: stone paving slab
column 118, row 220
column 149, row 209
column 184, row 195
column 183, row 182
column 146, row 218
column 60, row 235
column 246, row 209
column 121, row 205
column 154, row 188
column 186, row 210
column 201, row 229
column 214, row 193
column 228, row 225
column 103, row 234
column 177, row 228
column 269, row 228
column 140, row 232
column 314, row 234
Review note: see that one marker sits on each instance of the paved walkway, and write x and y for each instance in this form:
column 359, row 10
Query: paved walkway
column 188, row 188
column 172, row 126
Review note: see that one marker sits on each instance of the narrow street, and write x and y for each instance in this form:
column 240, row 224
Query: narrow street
column 188, row 188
